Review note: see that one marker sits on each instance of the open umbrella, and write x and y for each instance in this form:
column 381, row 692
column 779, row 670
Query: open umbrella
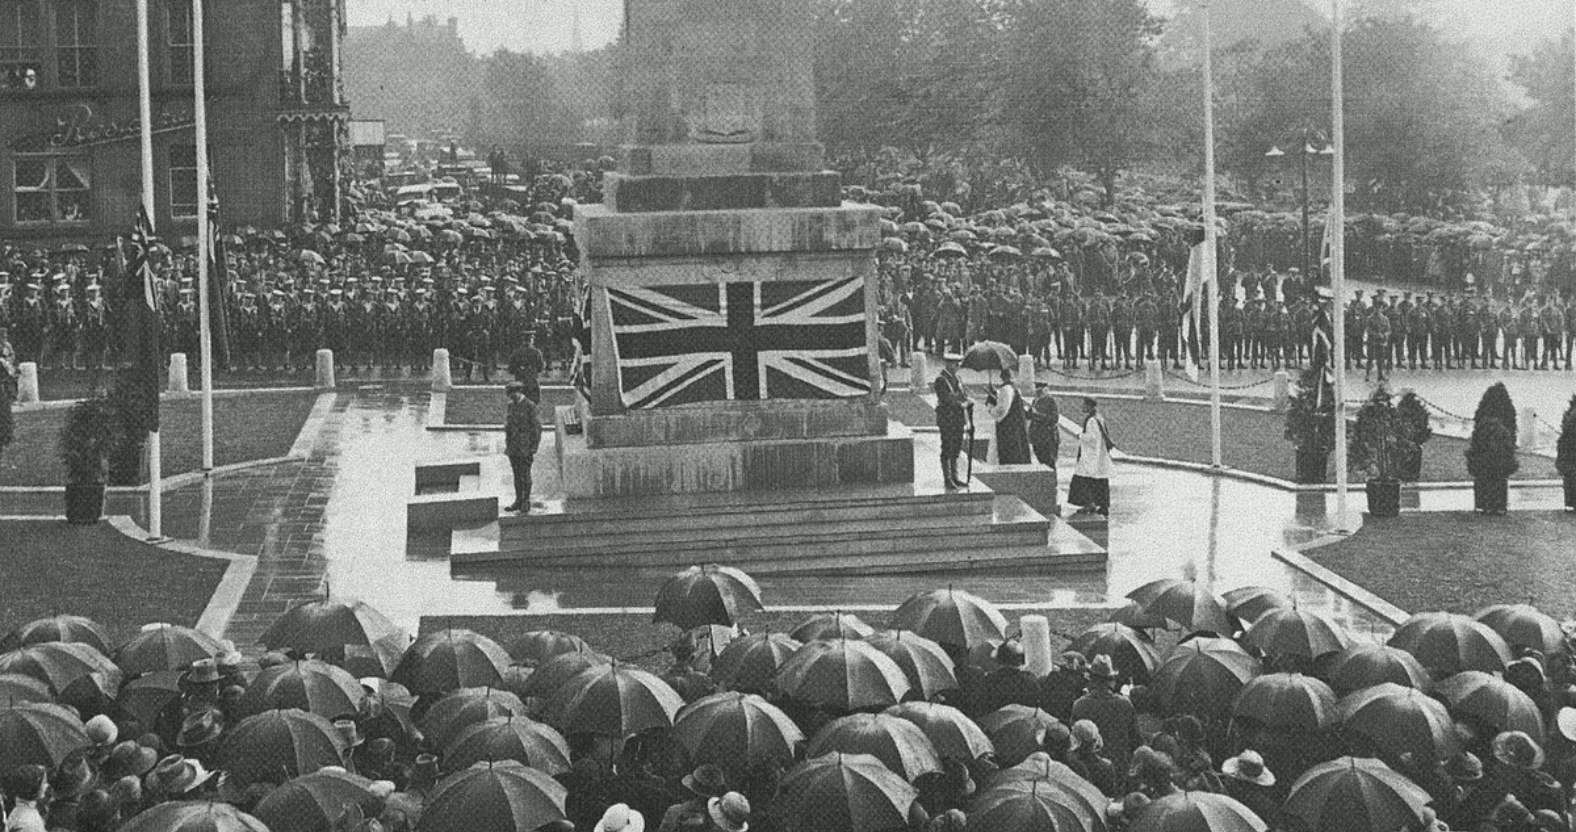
column 379, row 658
column 1491, row 703
column 1364, row 665
column 1288, row 702
column 310, row 685
column 1058, row 782
column 538, row 646
column 1132, row 652
column 38, row 733
column 1016, row 730
column 1523, row 625
column 551, row 675
column 316, row 802
column 736, row 731
column 845, row 793
column 511, row 737
column 1026, row 806
column 1196, row 812
column 952, row 617
column 707, row 594
column 951, row 248
column 843, row 674
column 19, row 687
column 1187, row 603
column 1448, row 643
column 498, row 797
column 310, row 258
column 387, row 711
column 165, row 647
column 750, row 664
column 1249, row 602
column 274, row 746
column 147, row 695
column 1356, row 794
column 990, row 356
column 1204, row 676
column 1045, row 253
column 1133, row 614
column 422, row 258
column 70, row 628
column 465, row 707
column 325, row 624
column 951, row 732
column 896, row 742
column 1004, row 253
column 450, row 659
column 1397, row 720
column 927, row 666
column 196, row 816
column 828, row 625
column 56, row 663
column 1294, row 632
column 614, row 700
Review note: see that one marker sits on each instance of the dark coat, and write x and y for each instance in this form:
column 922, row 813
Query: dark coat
column 522, row 430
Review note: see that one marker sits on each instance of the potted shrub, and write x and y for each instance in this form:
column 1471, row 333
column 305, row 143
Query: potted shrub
column 1377, row 443
column 86, row 440
column 1491, row 459
column 1496, row 405
column 1415, row 428
column 1310, row 425
column 1565, row 454
column 126, row 455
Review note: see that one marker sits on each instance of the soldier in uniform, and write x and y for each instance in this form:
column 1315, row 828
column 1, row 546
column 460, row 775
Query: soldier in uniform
column 186, row 326
column 419, row 331
column 1072, row 331
column 1098, row 316
column 1122, row 321
column 1231, row 332
column 1417, row 328
column 1468, row 329
column 1397, row 313
column 1039, row 316
column 1280, row 346
column 1527, row 327
column 947, row 328
column 1442, row 335
column 277, row 321
column 249, row 333
column 61, row 328
column 306, row 330
column 1354, row 330
column 1053, row 326
column 1505, row 327
column 1257, row 322
column 336, row 316
column 1302, row 330
column 1570, row 327
column 1552, row 329
column 1377, row 331
column 951, row 417
column 95, row 329
column 1146, row 316
column 977, row 316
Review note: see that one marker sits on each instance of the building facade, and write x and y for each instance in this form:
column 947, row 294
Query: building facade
column 69, row 133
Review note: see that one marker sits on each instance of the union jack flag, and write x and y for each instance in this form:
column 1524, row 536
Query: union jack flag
column 740, row 341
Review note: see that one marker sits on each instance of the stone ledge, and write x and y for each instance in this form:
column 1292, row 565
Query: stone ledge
column 624, row 193
column 602, row 233
column 447, row 510
column 738, row 421
column 694, row 159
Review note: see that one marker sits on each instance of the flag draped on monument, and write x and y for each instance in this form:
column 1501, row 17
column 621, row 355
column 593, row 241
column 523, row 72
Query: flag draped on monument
column 142, row 353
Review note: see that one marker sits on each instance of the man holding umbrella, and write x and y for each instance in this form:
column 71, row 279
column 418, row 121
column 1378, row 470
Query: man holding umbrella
column 951, row 416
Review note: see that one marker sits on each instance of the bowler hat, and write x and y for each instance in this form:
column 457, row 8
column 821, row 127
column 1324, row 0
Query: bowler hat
column 706, row 781
column 130, row 758
column 730, row 812
column 199, row 728
column 1100, row 667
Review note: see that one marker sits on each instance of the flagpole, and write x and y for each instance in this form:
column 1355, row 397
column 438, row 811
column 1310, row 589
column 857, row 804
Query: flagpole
column 204, row 235
column 1211, row 277
column 145, row 121
column 1338, row 258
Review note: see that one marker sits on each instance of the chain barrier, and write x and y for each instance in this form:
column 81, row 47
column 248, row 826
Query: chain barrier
column 1080, row 377
column 1247, row 386
column 1442, row 411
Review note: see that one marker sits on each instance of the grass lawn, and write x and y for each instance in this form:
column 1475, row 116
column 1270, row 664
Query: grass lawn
column 486, row 405
column 1462, row 562
column 635, row 638
column 256, row 426
column 50, row 567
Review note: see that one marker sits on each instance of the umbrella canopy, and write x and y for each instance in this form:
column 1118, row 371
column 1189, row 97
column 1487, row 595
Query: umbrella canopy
column 165, row 647
column 451, row 659
column 1249, row 602
column 1490, row 702
column 1396, row 720
column 526, row 741
column 1448, row 643
column 1026, row 806
column 1203, row 676
column 56, row 663
column 72, row 628
column 147, row 695
column 538, row 646
column 1134, row 615
column 952, row 617
column 1069, row 788
column 827, row 625
column 551, row 675
column 951, row 248
column 316, row 802
column 1016, row 730
column 38, row 733
column 928, row 667
column 274, row 746
column 196, row 816
column 1294, row 632
column 19, row 687
column 1196, row 812
column 443, row 721
column 844, row 674
column 388, row 709
column 614, row 700
column 950, row 731
column 1364, row 665
column 750, row 664
column 896, row 742
column 1523, row 625
column 736, row 731
column 326, row 624
column 498, row 797
column 707, row 594
column 1132, row 652
column 1187, row 604
column 1287, row 701
column 310, row 685
column 376, row 659
column 845, row 793
column 1356, row 794
column 990, row 356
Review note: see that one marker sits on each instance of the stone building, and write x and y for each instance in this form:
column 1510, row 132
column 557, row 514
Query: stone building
column 418, row 78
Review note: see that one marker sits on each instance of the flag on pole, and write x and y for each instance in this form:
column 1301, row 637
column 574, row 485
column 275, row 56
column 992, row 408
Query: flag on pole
column 1193, row 299
column 1322, row 349
column 218, row 285
column 1324, row 246
column 142, row 353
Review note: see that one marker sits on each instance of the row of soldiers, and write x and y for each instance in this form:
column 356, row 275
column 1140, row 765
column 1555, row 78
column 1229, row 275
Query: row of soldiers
column 1458, row 331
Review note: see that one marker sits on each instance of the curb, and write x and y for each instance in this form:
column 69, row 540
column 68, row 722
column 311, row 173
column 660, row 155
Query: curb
column 1012, row 606
column 1386, row 611
column 226, row 598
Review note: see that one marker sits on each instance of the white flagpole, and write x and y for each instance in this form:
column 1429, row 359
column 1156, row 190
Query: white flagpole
column 145, row 118
column 1211, row 277
column 1338, row 258
column 204, row 237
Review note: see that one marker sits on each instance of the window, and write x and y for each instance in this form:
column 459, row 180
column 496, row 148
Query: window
column 51, row 188
column 178, row 51
column 183, row 181
column 21, row 42
column 75, row 37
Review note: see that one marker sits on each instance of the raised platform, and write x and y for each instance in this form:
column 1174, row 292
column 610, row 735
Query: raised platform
column 736, row 422
column 447, row 495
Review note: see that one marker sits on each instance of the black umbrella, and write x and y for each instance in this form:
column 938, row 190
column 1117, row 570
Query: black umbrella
column 990, row 355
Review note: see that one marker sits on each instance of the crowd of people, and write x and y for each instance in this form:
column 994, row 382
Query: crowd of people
column 954, row 720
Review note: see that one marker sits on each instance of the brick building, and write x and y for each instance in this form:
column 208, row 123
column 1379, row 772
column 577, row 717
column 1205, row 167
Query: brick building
column 418, row 78
column 69, row 163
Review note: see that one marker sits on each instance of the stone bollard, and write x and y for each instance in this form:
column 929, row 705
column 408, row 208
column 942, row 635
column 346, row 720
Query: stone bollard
column 1527, row 427
column 325, row 370
column 1026, row 375
column 1154, row 381
column 918, row 372
column 442, row 378
column 27, row 383
column 1282, row 390
column 1036, row 631
column 178, row 381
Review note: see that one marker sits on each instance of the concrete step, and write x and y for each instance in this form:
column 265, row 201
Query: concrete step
column 730, row 506
column 469, row 482
column 1029, row 559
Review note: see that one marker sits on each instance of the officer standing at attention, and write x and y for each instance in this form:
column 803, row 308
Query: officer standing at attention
column 951, row 404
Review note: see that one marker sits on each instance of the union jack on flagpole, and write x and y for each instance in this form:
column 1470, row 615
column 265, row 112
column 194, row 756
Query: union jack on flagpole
column 142, row 353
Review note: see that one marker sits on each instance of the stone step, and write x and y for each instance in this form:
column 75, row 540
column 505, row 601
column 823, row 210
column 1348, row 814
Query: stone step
column 749, row 507
column 1027, row 559
column 469, row 482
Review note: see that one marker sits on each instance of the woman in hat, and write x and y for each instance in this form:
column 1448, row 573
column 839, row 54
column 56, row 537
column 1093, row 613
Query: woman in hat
column 26, row 790
column 1090, row 489
column 704, row 784
column 728, row 813
column 1252, row 783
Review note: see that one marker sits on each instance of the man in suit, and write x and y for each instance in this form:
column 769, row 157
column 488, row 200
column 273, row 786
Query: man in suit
column 522, row 432
column 951, row 406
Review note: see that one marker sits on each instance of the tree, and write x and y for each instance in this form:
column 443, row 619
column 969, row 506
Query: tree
column 1496, row 405
column 517, row 103
column 1542, row 132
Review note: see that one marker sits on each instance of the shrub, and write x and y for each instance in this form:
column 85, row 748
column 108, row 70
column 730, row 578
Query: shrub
column 1491, row 453
column 1496, row 405
column 1565, row 448
column 90, row 432
column 1310, row 412
column 1378, row 440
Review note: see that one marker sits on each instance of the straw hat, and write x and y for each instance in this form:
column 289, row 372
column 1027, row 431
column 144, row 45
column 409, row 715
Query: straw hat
column 1249, row 768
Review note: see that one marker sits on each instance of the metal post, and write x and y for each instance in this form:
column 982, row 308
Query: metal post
column 1211, row 275
column 1338, row 258
column 145, row 114
column 204, row 236
column 1303, row 155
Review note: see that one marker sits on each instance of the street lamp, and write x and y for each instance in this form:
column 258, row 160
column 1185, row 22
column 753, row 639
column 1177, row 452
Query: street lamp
column 1309, row 138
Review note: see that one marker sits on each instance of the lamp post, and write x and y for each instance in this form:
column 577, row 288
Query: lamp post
column 1308, row 136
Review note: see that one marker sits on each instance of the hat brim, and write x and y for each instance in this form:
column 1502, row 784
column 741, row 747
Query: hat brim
column 1233, row 769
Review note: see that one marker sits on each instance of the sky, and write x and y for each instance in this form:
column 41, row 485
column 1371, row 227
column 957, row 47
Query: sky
column 1496, row 27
